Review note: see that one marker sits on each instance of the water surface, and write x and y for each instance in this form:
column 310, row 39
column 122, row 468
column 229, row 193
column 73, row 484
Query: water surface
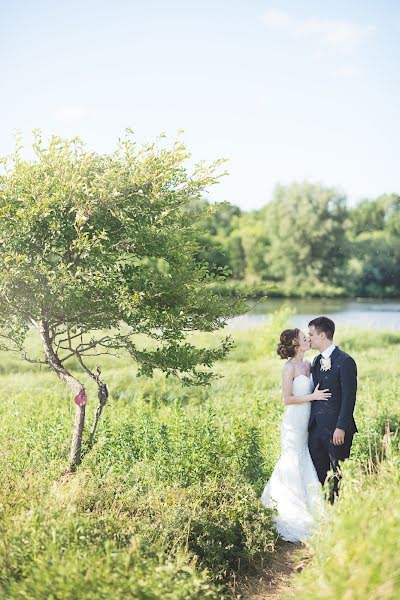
column 364, row 313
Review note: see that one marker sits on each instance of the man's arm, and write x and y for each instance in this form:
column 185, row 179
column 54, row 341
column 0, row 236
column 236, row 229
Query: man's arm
column 348, row 382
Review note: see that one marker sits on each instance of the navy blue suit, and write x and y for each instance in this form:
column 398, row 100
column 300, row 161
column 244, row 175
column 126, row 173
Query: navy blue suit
column 336, row 412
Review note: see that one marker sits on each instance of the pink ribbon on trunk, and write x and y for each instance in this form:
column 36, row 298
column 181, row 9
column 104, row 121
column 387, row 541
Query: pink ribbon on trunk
column 80, row 399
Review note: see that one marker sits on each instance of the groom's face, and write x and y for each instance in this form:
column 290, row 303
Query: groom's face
column 316, row 338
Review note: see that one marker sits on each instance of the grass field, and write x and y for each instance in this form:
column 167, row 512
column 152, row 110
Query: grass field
column 166, row 505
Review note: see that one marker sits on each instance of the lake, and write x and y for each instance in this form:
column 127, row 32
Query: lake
column 365, row 313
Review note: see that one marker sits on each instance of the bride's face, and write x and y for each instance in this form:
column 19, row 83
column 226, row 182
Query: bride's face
column 304, row 342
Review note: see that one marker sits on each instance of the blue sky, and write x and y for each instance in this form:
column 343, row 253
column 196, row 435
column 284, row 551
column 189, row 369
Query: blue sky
column 285, row 90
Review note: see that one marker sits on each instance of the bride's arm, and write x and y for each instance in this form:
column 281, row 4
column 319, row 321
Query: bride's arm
column 287, row 389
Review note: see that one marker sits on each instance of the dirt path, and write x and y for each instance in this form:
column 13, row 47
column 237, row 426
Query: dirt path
column 274, row 579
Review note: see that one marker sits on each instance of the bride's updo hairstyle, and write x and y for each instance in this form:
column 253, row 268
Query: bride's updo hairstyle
column 289, row 341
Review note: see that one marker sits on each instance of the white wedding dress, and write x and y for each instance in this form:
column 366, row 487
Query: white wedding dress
column 294, row 488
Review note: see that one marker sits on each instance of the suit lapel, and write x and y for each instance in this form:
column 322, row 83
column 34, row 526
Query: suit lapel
column 316, row 369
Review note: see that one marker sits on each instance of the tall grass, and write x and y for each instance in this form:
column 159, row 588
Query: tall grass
column 357, row 556
column 166, row 504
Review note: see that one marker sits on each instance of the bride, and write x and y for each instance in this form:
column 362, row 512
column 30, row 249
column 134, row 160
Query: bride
column 294, row 488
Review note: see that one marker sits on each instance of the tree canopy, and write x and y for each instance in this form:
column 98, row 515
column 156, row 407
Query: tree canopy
column 97, row 249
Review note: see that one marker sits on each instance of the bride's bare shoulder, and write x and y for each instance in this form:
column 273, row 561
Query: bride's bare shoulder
column 288, row 368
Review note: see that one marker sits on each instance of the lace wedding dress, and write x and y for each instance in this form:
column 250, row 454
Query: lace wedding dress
column 294, row 488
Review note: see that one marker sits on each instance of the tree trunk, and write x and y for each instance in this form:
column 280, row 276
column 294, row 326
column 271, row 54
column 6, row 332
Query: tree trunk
column 74, row 385
column 75, row 457
column 102, row 395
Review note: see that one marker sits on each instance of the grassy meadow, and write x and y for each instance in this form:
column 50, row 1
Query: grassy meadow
column 166, row 505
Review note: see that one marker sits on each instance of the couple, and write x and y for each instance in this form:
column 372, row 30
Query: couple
column 317, row 428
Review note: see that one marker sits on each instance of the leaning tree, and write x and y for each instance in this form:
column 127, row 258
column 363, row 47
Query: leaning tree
column 98, row 249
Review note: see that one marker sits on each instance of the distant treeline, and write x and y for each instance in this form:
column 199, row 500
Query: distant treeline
column 306, row 242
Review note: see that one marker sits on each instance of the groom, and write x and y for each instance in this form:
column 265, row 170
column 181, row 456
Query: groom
column 331, row 426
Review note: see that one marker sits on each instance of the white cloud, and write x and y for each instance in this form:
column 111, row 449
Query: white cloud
column 277, row 18
column 71, row 113
column 347, row 71
column 342, row 35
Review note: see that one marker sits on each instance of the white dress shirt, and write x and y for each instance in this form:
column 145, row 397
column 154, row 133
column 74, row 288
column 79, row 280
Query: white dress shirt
column 328, row 351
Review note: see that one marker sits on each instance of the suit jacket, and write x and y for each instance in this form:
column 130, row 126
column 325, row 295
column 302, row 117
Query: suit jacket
column 341, row 380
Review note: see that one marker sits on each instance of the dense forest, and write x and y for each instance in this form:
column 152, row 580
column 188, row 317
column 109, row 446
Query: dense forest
column 307, row 241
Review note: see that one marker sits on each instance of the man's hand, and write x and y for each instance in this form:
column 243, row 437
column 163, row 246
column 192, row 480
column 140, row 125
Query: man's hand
column 338, row 437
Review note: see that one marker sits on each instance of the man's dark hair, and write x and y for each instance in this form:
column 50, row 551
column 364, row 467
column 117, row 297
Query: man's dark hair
column 324, row 324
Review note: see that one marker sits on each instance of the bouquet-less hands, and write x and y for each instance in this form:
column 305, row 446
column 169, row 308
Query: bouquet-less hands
column 320, row 394
column 338, row 437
